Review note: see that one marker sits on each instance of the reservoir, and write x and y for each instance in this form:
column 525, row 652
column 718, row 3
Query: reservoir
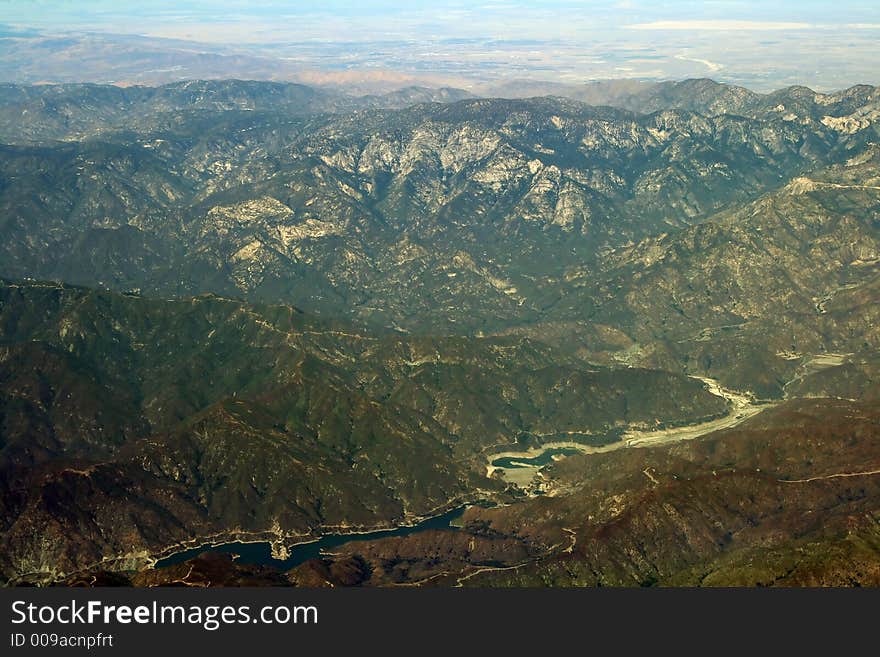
column 538, row 461
column 261, row 553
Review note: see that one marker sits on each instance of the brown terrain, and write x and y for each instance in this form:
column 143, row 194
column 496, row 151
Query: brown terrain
column 775, row 501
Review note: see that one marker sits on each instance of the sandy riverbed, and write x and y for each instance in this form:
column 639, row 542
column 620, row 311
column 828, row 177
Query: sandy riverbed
column 741, row 407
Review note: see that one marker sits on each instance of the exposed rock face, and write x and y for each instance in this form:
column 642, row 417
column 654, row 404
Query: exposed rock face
column 712, row 294
column 433, row 218
column 304, row 313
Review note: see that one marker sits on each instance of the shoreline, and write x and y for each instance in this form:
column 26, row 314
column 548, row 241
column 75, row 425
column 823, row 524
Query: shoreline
column 742, row 406
column 272, row 539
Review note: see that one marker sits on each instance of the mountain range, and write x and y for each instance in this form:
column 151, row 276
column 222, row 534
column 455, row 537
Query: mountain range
column 236, row 310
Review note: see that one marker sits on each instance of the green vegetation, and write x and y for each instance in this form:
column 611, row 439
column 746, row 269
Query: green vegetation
column 240, row 310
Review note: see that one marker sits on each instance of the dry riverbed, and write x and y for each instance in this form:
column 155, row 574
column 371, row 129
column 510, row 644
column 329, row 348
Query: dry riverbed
column 741, row 407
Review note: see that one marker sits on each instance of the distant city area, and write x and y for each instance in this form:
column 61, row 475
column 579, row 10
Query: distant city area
column 558, row 294
column 486, row 49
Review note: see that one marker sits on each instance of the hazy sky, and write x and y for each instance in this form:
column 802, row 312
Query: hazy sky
column 759, row 43
column 373, row 20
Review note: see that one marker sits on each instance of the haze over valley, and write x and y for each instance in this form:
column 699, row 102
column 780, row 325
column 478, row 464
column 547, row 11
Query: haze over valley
column 389, row 311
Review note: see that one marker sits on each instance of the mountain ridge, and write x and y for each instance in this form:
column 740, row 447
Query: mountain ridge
column 241, row 310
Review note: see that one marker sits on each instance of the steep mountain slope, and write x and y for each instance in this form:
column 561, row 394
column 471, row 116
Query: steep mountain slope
column 788, row 499
column 75, row 111
column 712, row 98
column 130, row 425
column 436, row 218
column 277, row 314
column 747, row 294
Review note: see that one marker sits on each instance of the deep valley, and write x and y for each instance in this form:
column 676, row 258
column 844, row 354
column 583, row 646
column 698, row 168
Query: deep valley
column 638, row 341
